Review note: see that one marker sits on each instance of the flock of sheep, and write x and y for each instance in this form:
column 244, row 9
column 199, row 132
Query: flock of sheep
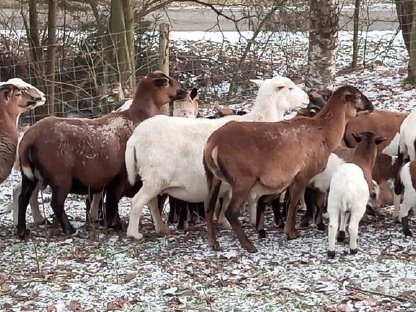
column 338, row 153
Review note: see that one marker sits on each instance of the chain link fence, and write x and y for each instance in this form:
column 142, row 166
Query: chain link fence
column 219, row 64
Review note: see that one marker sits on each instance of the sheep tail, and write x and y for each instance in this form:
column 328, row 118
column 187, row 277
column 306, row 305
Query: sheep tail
column 28, row 160
column 130, row 158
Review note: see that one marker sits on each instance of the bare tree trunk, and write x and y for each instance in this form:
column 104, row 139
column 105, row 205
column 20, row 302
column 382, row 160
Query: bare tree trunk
column 355, row 35
column 164, row 60
column 323, row 43
column 129, row 24
column 35, row 50
column 50, row 65
column 405, row 13
column 118, row 36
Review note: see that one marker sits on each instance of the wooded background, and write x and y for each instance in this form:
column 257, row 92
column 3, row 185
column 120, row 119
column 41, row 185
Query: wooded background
column 87, row 55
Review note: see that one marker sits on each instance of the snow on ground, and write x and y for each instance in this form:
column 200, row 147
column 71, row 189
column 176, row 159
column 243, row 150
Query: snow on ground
column 97, row 270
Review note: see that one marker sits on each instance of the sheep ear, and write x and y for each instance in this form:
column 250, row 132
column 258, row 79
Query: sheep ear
column 161, row 82
column 258, row 82
column 356, row 137
column 350, row 97
column 325, row 93
column 380, row 140
column 7, row 86
column 194, row 93
column 7, row 89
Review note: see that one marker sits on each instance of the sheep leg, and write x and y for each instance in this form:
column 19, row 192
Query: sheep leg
column 113, row 195
column 342, row 226
column 95, row 207
column 214, row 185
column 183, row 213
column 160, row 226
column 404, row 215
column 251, row 205
column 277, row 207
column 144, row 196
column 355, row 218
column 333, row 212
column 59, row 195
column 295, row 191
column 261, row 206
column 223, row 205
column 320, row 208
column 396, row 211
column 309, row 197
column 172, row 209
column 240, row 192
column 34, row 206
column 26, row 192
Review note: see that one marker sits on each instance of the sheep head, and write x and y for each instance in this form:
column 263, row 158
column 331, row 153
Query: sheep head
column 283, row 92
column 356, row 101
column 163, row 89
column 18, row 96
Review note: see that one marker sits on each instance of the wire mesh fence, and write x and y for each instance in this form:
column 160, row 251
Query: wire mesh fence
column 87, row 79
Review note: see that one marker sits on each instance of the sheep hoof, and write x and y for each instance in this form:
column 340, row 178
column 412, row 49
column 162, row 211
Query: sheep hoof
column 321, row 227
column 137, row 237
column 304, row 222
column 280, row 224
column 341, row 236
column 116, row 227
column 45, row 222
column 262, row 233
column 214, row 245
column 407, row 232
column 23, row 233
column 353, row 251
column 331, row 254
column 292, row 235
column 251, row 249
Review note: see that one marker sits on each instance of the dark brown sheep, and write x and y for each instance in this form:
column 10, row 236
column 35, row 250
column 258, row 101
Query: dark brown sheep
column 87, row 155
column 275, row 156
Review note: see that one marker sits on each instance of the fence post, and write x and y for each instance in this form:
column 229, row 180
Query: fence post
column 164, row 57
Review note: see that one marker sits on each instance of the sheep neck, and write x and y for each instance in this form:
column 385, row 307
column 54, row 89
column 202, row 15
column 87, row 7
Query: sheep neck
column 363, row 159
column 264, row 110
column 333, row 119
column 142, row 108
column 8, row 146
column 8, row 123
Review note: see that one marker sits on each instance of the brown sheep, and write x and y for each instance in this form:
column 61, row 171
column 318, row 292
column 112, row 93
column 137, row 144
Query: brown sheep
column 87, row 155
column 275, row 156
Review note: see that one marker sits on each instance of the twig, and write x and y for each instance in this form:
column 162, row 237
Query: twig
column 377, row 293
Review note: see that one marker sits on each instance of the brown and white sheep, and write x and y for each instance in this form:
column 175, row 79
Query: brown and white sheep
column 16, row 97
column 86, row 155
column 350, row 188
column 267, row 158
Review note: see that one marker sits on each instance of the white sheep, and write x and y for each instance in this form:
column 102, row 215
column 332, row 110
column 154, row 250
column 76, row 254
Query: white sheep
column 350, row 190
column 407, row 138
column 166, row 152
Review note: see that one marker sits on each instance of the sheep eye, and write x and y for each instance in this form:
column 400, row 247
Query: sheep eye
column 18, row 94
column 290, row 88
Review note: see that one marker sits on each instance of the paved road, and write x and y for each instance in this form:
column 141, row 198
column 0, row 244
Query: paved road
column 203, row 19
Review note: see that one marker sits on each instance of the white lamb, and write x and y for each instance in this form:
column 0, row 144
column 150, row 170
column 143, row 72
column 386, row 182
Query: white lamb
column 350, row 191
column 166, row 152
